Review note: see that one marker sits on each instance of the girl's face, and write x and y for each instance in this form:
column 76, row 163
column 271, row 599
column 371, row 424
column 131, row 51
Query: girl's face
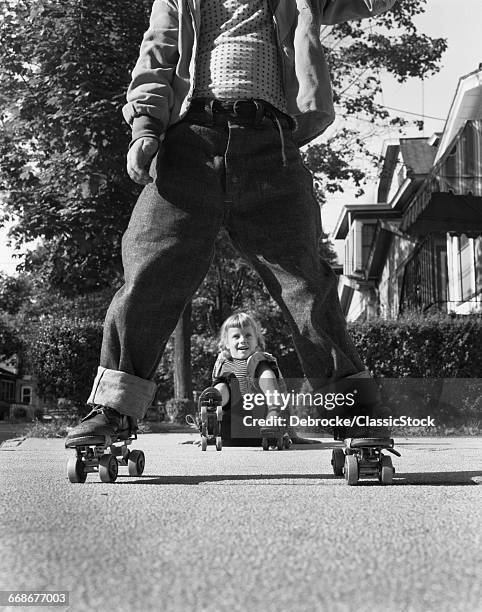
column 241, row 342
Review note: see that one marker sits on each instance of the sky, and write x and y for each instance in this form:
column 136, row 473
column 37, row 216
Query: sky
column 458, row 21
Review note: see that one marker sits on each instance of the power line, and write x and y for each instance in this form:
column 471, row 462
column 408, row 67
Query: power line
column 398, row 110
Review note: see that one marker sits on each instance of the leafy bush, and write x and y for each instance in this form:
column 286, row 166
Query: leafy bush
column 428, row 366
column 177, row 409
column 435, row 347
column 10, row 340
column 63, row 355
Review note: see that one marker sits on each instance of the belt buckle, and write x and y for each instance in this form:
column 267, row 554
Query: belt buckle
column 255, row 110
column 236, row 107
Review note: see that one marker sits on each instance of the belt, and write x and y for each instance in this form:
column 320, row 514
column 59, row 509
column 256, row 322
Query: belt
column 251, row 110
column 245, row 112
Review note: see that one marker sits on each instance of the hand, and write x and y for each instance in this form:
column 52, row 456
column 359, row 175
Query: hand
column 139, row 159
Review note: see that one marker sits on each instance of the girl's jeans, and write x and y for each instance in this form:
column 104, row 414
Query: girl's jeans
column 222, row 172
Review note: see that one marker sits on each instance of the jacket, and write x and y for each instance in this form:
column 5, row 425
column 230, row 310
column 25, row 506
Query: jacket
column 163, row 78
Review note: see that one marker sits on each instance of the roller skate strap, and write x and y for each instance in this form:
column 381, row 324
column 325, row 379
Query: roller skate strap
column 369, row 442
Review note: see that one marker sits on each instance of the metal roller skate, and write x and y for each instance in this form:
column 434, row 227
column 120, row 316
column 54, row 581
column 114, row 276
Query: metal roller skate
column 209, row 418
column 106, row 461
column 363, row 458
column 101, row 444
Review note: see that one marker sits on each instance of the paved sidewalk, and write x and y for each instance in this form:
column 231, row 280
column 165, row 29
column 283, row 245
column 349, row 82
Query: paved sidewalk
column 244, row 529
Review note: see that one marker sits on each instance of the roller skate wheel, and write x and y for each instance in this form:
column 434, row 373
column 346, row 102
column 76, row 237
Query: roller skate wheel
column 76, row 470
column 108, row 468
column 338, row 461
column 386, row 470
column 265, row 444
column 351, row 469
column 279, row 443
column 204, row 443
column 136, row 463
column 219, row 443
column 287, row 442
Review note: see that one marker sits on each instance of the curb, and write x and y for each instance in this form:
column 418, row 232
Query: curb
column 11, row 443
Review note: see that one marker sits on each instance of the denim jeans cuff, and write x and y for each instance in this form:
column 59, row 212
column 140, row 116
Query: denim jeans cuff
column 126, row 393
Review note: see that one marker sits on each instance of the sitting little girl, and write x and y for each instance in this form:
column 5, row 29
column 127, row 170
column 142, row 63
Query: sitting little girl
column 243, row 367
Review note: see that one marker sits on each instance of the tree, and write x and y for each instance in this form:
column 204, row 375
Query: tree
column 357, row 53
column 182, row 356
column 10, row 342
column 64, row 69
column 14, row 291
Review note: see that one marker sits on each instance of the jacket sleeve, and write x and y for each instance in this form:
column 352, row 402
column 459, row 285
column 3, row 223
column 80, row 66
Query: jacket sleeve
column 150, row 95
column 339, row 11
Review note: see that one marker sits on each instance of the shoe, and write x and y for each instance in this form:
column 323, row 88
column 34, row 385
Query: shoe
column 365, row 432
column 362, row 396
column 103, row 425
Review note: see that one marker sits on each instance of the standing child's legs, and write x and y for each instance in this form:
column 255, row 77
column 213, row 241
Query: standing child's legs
column 167, row 250
column 276, row 225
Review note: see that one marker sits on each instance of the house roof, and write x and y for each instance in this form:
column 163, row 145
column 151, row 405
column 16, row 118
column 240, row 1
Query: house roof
column 418, row 156
column 466, row 106
column 450, row 197
column 351, row 212
column 7, row 374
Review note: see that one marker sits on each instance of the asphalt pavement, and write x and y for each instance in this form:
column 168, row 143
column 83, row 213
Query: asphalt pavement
column 244, row 529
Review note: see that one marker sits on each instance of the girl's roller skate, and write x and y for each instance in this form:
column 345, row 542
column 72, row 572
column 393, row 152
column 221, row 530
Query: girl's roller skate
column 274, row 434
column 209, row 418
column 101, row 444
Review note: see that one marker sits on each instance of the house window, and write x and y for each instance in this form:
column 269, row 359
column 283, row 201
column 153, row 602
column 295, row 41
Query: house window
column 358, row 245
column 26, row 395
column 466, row 268
column 368, row 232
column 7, row 390
column 478, row 264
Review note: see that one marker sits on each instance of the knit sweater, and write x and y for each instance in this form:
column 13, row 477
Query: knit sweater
column 237, row 54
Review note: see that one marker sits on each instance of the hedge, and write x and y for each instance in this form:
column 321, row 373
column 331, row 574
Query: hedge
column 435, row 347
column 63, row 355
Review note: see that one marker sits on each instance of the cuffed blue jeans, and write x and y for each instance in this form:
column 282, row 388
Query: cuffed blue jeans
column 251, row 180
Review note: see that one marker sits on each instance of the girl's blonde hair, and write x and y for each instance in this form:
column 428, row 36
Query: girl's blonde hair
column 242, row 320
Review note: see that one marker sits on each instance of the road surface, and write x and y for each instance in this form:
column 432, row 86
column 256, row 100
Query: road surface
column 246, row 530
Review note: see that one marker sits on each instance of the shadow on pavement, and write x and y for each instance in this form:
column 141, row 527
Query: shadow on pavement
column 427, row 479
column 201, row 479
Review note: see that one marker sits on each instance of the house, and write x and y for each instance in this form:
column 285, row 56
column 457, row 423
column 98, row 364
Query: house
column 18, row 393
column 419, row 247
